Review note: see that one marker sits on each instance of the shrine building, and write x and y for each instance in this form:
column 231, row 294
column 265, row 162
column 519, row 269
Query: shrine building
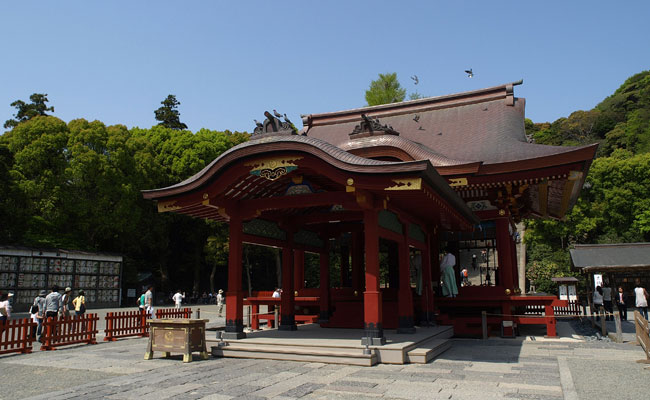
column 402, row 179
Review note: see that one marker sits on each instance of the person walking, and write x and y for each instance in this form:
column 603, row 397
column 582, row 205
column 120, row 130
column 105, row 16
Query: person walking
column 79, row 303
column 448, row 275
column 178, row 299
column 39, row 302
column 598, row 302
column 607, row 301
column 53, row 303
column 641, row 297
column 148, row 302
column 621, row 304
column 65, row 302
column 141, row 300
column 220, row 302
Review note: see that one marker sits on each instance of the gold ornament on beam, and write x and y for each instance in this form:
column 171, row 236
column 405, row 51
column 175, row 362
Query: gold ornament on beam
column 406, row 184
column 273, row 168
column 169, row 205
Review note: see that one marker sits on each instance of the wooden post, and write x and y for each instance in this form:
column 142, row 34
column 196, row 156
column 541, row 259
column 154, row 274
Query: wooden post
column 372, row 301
column 642, row 335
column 287, row 318
column 504, row 253
column 109, row 327
column 357, row 261
column 234, row 296
column 255, row 321
column 619, row 329
column 484, row 324
column 405, row 298
column 427, row 317
column 324, row 259
column 603, row 321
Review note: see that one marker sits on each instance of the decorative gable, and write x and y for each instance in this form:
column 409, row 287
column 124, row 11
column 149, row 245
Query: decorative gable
column 370, row 126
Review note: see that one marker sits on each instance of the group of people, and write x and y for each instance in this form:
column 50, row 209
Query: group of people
column 604, row 301
column 146, row 300
column 54, row 304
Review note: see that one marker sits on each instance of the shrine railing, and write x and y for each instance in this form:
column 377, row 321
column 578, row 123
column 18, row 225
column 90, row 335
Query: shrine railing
column 16, row 336
column 126, row 323
column 63, row 331
column 174, row 313
column 573, row 309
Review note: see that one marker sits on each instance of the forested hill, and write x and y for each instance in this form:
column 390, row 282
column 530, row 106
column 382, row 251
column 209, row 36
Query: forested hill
column 621, row 121
column 614, row 206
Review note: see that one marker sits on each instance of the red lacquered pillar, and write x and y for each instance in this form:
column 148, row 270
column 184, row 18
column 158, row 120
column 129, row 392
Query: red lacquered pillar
column 372, row 302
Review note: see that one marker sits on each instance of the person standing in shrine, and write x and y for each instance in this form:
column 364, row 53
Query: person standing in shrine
column 621, row 304
column 607, row 301
column 448, row 275
column 220, row 302
column 641, row 297
column 598, row 302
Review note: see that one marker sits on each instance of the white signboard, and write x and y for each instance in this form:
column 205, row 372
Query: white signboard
column 563, row 293
column 572, row 293
column 598, row 280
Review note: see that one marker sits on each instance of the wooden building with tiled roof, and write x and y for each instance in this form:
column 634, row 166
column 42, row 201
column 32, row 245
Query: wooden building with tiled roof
column 454, row 169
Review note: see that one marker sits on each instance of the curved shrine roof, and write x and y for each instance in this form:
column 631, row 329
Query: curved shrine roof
column 485, row 126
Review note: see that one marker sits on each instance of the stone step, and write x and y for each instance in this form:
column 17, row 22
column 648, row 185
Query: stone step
column 427, row 351
column 297, row 353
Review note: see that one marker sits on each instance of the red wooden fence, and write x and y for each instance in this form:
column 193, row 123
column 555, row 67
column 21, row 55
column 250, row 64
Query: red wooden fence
column 174, row 313
column 126, row 323
column 15, row 336
column 69, row 330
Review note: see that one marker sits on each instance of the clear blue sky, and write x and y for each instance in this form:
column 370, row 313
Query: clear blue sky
column 228, row 61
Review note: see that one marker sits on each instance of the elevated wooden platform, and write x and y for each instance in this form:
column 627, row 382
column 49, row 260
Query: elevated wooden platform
column 336, row 346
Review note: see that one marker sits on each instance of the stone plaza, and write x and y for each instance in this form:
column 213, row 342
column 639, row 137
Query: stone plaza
column 526, row 367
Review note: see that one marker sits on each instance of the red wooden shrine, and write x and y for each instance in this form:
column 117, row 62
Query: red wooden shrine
column 456, row 169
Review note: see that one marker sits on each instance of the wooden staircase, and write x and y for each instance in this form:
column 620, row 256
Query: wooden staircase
column 338, row 346
column 324, row 354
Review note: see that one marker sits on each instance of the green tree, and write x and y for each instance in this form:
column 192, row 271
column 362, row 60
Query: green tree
column 386, row 89
column 26, row 111
column 12, row 202
column 168, row 114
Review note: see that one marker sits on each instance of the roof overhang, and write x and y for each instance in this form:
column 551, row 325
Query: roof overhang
column 255, row 177
column 618, row 257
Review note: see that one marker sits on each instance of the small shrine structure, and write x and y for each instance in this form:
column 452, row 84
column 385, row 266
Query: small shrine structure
column 456, row 170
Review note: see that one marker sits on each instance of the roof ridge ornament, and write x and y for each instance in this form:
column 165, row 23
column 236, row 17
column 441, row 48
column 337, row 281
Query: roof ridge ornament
column 273, row 126
column 370, row 126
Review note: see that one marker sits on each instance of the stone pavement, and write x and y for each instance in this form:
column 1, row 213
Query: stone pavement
column 522, row 368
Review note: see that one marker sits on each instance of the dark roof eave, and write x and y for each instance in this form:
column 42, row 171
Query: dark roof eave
column 440, row 184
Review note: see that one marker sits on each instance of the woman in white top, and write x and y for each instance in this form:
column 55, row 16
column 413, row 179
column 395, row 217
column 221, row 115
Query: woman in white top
column 5, row 308
column 598, row 301
column 641, row 296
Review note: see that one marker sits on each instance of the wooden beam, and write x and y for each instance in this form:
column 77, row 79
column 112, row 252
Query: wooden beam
column 296, row 201
column 543, row 197
column 568, row 192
